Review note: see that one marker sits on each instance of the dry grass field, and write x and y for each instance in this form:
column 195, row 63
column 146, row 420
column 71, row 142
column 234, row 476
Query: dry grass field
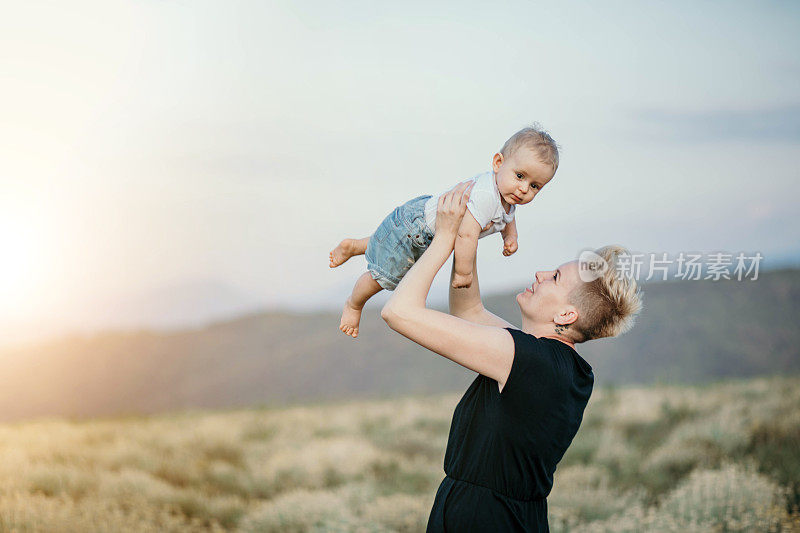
column 723, row 457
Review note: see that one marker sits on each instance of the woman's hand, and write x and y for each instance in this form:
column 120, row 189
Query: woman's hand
column 451, row 209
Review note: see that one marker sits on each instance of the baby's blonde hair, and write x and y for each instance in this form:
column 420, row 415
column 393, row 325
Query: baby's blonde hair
column 537, row 139
column 607, row 306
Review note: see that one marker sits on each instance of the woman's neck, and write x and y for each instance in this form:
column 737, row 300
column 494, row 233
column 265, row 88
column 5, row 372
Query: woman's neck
column 548, row 331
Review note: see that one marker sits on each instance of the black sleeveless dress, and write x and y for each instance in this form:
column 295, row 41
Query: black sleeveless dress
column 504, row 446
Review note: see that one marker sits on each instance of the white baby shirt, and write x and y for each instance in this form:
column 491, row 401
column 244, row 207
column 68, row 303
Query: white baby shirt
column 484, row 204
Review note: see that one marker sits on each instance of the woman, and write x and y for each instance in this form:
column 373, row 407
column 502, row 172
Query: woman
column 518, row 417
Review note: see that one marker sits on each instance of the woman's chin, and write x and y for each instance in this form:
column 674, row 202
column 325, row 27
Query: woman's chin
column 525, row 300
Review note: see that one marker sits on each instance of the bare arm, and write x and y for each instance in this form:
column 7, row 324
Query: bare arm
column 466, row 246
column 467, row 304
column 485, row 349
column 510, row 237
column 510, row 230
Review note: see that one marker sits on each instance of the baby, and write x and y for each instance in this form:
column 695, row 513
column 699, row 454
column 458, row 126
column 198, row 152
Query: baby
column 525, row 164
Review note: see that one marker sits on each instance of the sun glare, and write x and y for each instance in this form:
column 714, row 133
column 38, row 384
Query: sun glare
column 20, row 266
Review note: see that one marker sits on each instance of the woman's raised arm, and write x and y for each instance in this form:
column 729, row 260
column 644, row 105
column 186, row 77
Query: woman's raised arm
column 488, row 350
column 466, row 303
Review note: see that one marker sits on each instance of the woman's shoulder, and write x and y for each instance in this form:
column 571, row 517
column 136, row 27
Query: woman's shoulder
column 524, row 340
column 546, row 370
column 549, row 352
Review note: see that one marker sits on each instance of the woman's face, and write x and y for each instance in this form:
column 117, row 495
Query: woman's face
column 548, row 295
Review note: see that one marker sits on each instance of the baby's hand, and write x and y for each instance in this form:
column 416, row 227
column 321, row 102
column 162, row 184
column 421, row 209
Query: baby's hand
column 461, row 281
column 510, row 245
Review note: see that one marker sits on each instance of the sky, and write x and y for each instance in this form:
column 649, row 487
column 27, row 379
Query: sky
column 153, row 144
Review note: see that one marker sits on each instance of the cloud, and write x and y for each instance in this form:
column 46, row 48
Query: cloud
column 778, row 123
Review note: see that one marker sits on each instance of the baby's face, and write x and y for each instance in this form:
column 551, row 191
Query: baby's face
column 520, row 176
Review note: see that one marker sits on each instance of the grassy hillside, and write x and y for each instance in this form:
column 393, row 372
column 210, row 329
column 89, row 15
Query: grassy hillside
column 716, row 458
column 689, row 331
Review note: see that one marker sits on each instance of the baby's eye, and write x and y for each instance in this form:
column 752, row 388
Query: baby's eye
column 519, row 176
column 534, row 186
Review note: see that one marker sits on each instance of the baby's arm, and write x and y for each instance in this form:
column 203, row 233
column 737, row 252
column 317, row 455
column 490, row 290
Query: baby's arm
column 465, row 249
column 510, row 238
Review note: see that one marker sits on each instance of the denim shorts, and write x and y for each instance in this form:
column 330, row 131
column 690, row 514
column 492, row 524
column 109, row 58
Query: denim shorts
column 398, row 242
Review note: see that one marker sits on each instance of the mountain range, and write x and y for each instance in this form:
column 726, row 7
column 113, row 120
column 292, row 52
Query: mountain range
column 689, row 331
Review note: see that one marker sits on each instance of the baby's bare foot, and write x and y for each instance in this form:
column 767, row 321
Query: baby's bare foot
column 342, row 253
column 350, row 319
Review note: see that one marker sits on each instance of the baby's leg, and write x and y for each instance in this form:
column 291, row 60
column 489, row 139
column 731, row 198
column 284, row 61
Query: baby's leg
column 365, row 288
column 347, row 249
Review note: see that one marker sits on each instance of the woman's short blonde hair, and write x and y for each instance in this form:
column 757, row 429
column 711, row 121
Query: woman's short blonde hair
column 608, row 305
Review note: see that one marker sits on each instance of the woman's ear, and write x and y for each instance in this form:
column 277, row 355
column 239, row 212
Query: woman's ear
column 567, row 316
column 497, row 161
